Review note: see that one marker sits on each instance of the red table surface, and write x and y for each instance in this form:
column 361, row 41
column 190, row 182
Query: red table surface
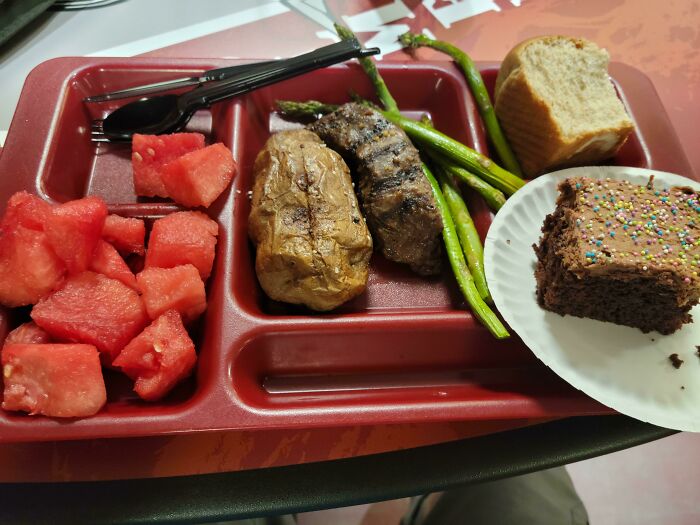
column 662, row 39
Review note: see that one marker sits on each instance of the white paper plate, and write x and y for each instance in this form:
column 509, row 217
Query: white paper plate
column 619, row 366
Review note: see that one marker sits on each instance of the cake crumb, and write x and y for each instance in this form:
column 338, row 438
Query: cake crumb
column 675, row 361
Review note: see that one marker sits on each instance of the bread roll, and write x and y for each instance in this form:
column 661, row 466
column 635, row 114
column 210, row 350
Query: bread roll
column 557, row 104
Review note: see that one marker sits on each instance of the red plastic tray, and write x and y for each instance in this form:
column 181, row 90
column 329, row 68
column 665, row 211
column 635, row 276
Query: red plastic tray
column 406, row 350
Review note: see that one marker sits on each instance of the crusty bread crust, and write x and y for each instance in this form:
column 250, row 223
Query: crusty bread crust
column 531, row 128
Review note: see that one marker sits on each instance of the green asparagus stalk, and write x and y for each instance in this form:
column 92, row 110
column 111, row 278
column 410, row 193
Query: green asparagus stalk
column 371, row 69
column 493, row 197
column 459, row 266
column 478, row 89
column 309, row 108
column 459, row 153
column 466, row 231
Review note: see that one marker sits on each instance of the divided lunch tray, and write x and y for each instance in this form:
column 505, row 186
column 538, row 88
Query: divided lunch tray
column 407, row 350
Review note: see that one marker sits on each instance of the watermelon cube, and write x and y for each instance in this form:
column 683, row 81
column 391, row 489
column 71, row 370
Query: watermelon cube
column 186, row 237
column 108, row 262
column 26, row 210
column 57, row 380
column 93, row 309
column 159, row 357
column 199, row 177
column 73, row 230
column 27, row 333
column 127, row 235
column 179, row 288
column 29, row 268
column 149, row 153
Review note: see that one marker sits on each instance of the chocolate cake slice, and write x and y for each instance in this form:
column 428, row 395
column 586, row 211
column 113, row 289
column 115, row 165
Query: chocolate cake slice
column 620, row 252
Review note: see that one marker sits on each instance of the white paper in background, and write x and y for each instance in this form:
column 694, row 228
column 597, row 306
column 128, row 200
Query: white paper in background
column 617, row 365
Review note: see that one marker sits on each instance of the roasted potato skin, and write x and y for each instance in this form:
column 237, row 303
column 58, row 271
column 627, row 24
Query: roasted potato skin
column 312, row 244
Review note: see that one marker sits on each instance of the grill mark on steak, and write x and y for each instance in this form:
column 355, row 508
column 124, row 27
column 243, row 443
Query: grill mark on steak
column 395, row 180
column 352, row 130
column 387, row 149
column 396, row 197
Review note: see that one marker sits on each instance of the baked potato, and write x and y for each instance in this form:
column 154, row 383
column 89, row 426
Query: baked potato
column 312, row 244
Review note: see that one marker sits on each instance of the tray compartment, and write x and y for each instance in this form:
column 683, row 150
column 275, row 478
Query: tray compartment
column 304, row 367
column 392, row 287
column 75, row 167
column 324, row 374
column 120, row 397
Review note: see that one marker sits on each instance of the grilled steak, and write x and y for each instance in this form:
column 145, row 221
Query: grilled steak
column 313, row 246
column 395, row 195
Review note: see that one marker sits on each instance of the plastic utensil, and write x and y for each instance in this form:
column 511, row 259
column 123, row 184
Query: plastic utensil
column 170, row 113
column 221, row 73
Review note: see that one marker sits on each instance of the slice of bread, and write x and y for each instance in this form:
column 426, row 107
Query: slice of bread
column 557, row 104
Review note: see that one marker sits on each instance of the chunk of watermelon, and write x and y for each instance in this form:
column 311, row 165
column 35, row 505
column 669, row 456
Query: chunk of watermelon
column 57, row 380
column 186, row 237
column 159, row 357
column 73, row 230
column 199, row 177
column 26, row 210
column 127, row 235
column 28, row 333
column 94, row 309
column 29, row 268
column 149, row 153
column 108, row 262
column 179, row 288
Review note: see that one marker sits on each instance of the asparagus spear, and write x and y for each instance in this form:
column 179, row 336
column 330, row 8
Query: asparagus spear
column 459, row 266
column 459, row 153
column 466, row 231
column 309, row 108
column 371, row 69
column 493, row 197
column 478, row 89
